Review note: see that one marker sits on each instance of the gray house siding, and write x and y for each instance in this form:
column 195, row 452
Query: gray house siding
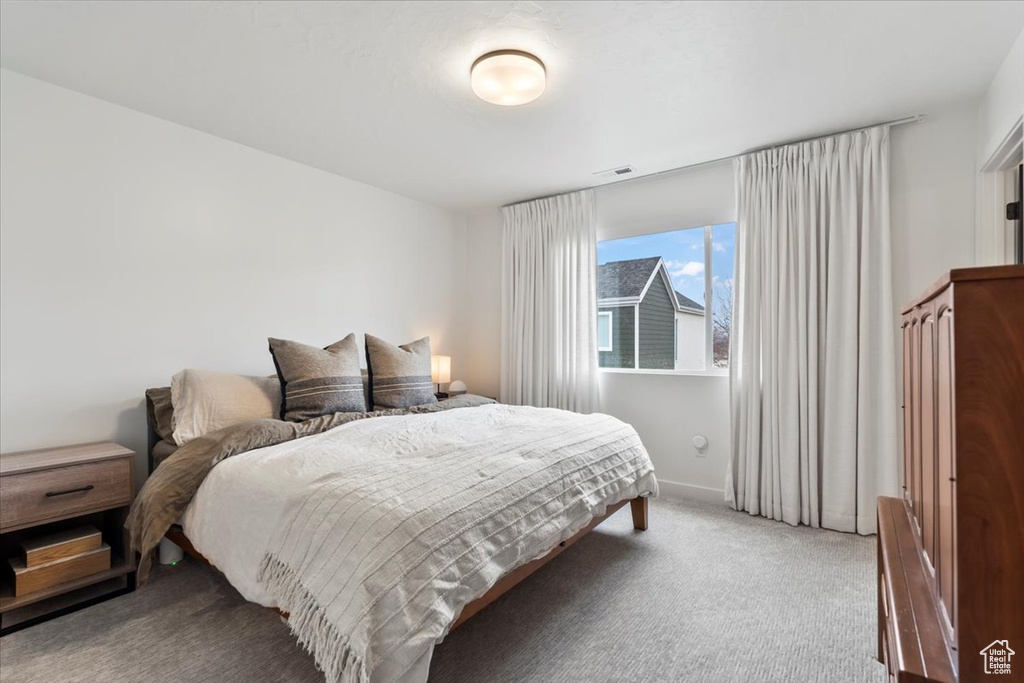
column 621, row 355
column 657, row 328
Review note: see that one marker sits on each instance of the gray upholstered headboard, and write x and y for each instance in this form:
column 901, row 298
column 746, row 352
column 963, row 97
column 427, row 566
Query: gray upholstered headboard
column 159, row 414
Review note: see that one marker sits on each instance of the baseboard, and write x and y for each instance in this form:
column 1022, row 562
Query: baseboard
column 673, row 489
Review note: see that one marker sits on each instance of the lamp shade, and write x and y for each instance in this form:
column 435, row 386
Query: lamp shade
column 441, row 369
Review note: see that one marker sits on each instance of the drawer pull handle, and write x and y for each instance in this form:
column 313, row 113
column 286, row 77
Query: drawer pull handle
column 82, row 489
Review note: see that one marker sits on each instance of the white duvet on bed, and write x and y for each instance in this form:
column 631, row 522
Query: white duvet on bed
column 236, row 518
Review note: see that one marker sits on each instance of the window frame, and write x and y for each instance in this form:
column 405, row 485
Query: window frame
column 709, row 300
column 709, row 352
column 675, row 338
column 611, row 337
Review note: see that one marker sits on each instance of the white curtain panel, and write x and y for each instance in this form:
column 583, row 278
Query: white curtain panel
column 549, row 303
column 812, row 376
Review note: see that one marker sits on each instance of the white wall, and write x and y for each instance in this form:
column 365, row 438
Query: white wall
column 1000, row 147
column 480, row 363
column 932, row 191
column 667, row 411
column 1002, row 107
column 932, row 209
column 685, row 199
column 131, row 248
column 932, row 173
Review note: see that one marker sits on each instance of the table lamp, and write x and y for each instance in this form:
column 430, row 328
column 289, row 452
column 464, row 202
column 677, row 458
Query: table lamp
column 440, row 372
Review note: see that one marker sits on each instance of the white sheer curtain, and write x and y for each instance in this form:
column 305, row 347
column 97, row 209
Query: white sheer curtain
column 549, row 303
column 812, row 377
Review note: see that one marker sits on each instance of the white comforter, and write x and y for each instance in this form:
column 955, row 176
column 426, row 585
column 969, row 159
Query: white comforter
column 375, row 535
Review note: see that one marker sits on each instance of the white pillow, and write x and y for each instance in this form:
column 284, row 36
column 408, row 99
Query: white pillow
column 205, row 401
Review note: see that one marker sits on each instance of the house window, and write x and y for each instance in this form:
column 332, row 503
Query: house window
column 666, row 299
column 604, row 331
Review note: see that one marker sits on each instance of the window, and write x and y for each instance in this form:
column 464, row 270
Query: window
column 666, row 299
column 604, row 331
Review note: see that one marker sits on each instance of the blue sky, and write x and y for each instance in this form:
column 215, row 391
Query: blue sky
column 683, row 251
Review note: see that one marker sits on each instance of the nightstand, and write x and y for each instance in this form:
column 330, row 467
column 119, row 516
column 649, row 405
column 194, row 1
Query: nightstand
column 50, row 493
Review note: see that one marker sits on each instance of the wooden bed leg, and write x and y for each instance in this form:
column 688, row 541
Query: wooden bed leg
column 638, row 506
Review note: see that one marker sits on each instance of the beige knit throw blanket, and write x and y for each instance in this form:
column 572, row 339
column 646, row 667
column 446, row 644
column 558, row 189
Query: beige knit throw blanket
column 374, row 563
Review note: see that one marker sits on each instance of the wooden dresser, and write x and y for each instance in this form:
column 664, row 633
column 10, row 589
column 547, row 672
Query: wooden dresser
column 53, row 492
column 951, row 550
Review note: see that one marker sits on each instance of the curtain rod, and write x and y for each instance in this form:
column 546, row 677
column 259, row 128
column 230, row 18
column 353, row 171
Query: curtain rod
column 894, row 122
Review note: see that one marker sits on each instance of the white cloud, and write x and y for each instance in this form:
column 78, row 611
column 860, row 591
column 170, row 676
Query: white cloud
column 718, row 246
column 685, row 268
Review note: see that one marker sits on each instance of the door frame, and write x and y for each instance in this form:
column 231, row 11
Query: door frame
column 993, row 234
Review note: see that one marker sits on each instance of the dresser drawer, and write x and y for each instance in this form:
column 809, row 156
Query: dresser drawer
column 34, row 497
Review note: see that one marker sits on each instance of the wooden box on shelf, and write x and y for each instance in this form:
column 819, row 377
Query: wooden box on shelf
column 62, row 514
column 61, row 545
column 50, row 560
column 28, row 580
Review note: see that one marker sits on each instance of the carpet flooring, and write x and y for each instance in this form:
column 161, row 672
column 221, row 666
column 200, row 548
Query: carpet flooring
column 707, row 594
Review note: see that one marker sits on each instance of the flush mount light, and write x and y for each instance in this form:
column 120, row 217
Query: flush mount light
column 508, row 77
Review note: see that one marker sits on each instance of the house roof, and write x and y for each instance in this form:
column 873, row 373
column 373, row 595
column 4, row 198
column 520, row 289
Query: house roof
column 628, row 280
column 687, row 302
column 625, row 279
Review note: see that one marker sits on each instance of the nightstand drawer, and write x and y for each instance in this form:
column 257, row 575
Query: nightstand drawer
column 46, row 495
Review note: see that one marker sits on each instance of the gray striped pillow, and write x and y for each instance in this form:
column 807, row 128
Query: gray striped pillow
column 399, row 375
column 316, row 381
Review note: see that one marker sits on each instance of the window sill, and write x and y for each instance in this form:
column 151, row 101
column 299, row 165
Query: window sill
column 686, row 373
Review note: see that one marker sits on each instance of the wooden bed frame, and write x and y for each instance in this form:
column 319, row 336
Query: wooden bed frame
column 638, row 507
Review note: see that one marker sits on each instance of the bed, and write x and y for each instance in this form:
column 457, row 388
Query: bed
column 377, row 534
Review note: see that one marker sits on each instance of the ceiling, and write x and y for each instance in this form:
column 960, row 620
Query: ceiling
column 379, row 91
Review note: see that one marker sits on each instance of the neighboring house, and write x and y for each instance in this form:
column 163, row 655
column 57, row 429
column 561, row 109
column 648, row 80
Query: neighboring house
column 643, row 322
column 690, row 334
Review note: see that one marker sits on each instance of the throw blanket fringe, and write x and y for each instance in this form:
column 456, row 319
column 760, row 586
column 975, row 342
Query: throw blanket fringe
column 331, row 649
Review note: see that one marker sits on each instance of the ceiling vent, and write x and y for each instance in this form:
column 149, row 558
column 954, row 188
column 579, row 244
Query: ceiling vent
column 622, row 171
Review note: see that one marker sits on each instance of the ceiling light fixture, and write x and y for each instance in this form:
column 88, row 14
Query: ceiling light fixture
column 508, row 77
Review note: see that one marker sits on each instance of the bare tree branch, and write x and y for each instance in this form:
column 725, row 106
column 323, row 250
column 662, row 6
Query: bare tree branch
column 721, row 323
